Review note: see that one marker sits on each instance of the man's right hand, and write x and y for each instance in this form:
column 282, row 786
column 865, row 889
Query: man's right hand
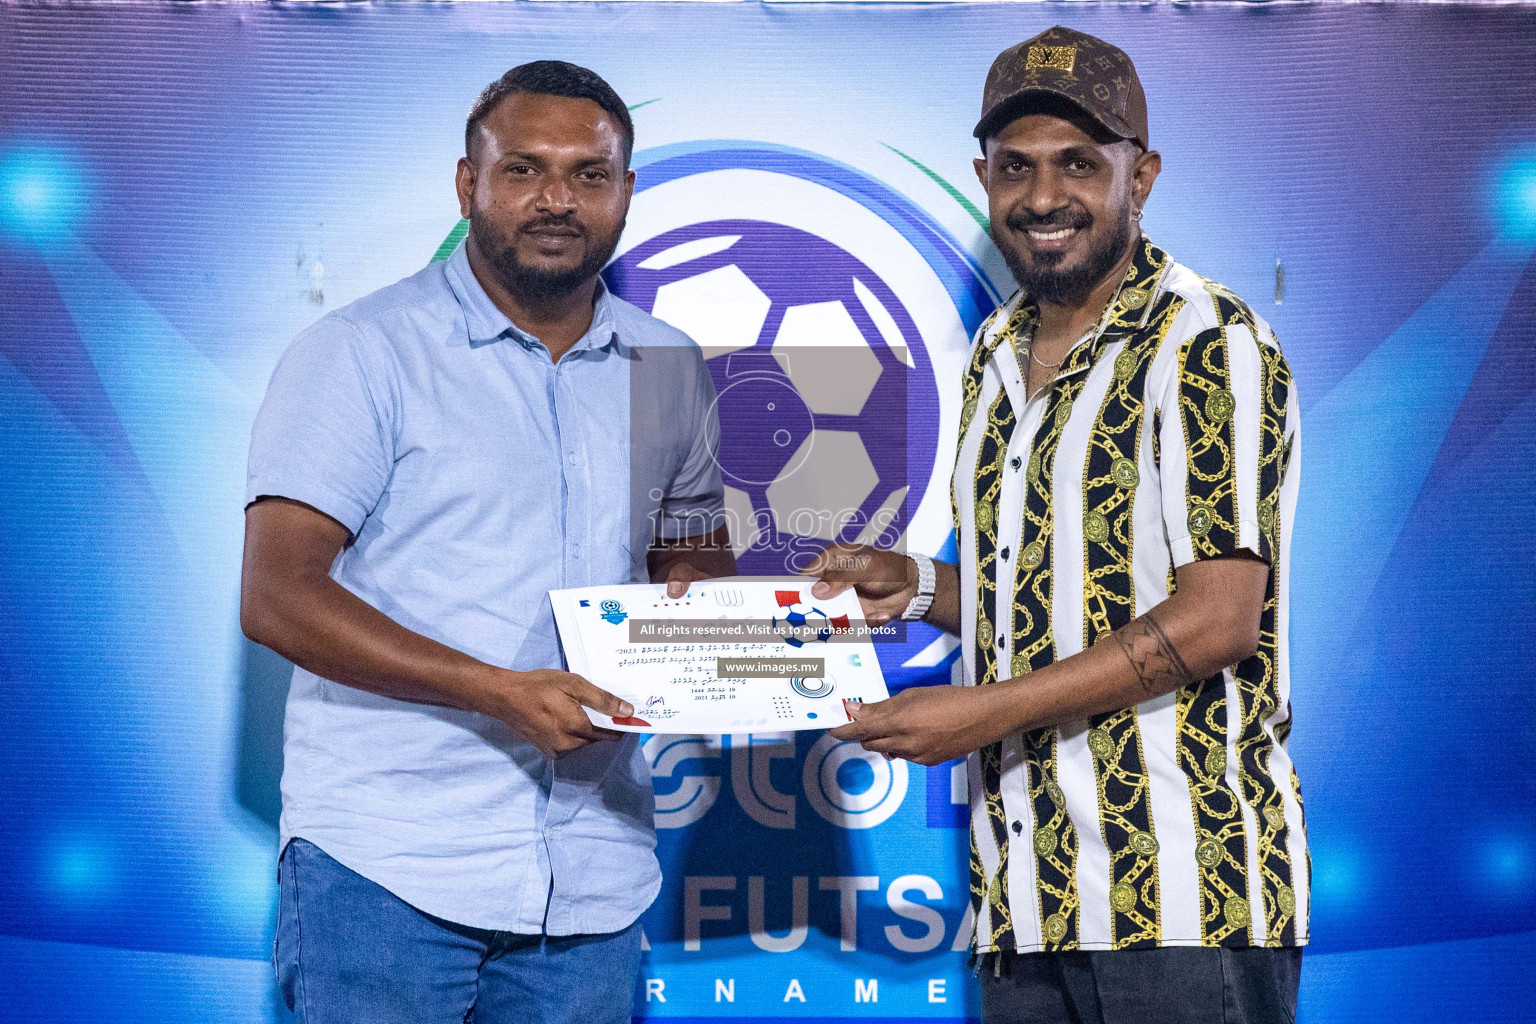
column 886, row 581
column 545, row 708
column 289, row 602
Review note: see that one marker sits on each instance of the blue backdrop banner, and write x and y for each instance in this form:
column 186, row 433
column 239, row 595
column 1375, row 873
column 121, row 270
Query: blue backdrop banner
column 183, row 188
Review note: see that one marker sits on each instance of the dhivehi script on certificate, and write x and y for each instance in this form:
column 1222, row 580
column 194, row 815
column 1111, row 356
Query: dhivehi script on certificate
column 731, row 655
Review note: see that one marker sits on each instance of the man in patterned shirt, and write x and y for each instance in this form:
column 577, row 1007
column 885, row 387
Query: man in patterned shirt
column 1124, row 493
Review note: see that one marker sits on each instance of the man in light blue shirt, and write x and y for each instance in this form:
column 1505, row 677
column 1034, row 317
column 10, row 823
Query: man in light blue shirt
column 429, row 461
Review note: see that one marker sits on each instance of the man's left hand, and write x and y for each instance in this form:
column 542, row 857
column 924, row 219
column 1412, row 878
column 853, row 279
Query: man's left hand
column 680, row 575
column 930, row 724
column 686, row 560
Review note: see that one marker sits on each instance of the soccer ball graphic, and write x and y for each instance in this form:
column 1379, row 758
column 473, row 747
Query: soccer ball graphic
column 812, row 357
column 798, row 625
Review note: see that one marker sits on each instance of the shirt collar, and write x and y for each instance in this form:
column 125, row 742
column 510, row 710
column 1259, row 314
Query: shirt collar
column 485, row 323
column 1127, row 311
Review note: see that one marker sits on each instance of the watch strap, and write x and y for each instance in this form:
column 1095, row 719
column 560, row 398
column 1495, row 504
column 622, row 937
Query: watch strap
column 919, row 605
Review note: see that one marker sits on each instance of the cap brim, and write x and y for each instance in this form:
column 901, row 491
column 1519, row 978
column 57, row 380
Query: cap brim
column 1017, row 105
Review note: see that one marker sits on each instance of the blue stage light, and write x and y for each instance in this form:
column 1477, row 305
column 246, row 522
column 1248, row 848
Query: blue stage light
column 1514, row 195
column 42, row 193
column 80, row 868
column 1337, row 877
column 1508, row 863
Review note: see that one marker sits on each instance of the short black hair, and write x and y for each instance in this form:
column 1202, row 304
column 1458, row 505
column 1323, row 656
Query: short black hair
column 552, row 78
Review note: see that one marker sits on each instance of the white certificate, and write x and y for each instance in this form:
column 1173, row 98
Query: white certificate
column 733, row 655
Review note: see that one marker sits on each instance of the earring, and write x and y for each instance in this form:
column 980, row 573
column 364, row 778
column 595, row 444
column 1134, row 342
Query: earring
column 1136, row 215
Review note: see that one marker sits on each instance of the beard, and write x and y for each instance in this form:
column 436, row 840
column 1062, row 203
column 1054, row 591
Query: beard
column 535, row 285
column 1045, row 280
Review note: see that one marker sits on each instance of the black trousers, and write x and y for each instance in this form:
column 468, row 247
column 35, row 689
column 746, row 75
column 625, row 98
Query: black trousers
column 1172, row 985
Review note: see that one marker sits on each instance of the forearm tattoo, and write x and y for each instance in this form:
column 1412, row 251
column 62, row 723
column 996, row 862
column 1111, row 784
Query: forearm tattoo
column 1153, row 657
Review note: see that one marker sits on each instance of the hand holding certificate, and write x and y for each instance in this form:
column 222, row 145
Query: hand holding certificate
column 732, row 655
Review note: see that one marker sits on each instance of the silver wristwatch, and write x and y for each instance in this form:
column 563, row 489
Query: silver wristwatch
column 919, row 605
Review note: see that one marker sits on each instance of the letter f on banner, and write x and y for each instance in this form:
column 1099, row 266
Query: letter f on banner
column 694, row 910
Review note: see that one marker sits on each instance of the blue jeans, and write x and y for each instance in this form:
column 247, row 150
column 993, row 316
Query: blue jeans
column 348, row 951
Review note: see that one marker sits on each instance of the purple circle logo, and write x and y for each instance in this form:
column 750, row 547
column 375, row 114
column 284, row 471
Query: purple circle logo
column 814, row 360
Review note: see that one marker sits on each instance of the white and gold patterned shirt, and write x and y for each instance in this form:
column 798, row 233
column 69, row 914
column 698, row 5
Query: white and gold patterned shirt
column 1168, row 435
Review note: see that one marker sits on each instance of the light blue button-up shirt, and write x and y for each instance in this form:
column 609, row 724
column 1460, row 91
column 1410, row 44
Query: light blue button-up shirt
column 475, row 475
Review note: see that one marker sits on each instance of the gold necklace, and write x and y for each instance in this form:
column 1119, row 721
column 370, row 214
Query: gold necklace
column 1029, row 390
column 1042, row 362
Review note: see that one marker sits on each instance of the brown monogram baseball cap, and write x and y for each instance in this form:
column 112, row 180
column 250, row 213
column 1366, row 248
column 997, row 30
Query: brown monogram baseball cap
column 1087, row 72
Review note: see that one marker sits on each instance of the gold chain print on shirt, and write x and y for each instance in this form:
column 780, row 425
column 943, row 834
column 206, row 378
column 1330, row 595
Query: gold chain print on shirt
column 1056, row 840
column 1221, row 851
column 1055, row 837
column 1225, row 728
column 1111, row 476
column 990, row 895
column 1257, row 677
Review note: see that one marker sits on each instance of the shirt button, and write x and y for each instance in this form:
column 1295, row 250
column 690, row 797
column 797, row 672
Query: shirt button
column 1005, row 554
column 573, row 458
column 1018, row 827
column 1015, row 462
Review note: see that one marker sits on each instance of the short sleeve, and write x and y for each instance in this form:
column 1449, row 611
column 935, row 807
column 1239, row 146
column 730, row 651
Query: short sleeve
column 693, row 503
column 1222, row 444
column 323, row 434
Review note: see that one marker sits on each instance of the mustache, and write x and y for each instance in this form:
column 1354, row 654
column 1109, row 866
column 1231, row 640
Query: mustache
column 565, row 223
column 1065, row 217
